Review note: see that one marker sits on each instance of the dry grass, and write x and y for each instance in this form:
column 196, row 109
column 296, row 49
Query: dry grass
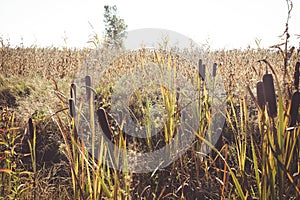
column 39, row 79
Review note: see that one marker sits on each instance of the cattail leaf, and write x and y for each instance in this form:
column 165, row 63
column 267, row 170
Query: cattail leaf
column 260, row 95
column 8, row 171
column 294, row 111
column 270, row 95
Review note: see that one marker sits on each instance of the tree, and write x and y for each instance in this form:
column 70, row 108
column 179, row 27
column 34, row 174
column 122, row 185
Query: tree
column 115, row 28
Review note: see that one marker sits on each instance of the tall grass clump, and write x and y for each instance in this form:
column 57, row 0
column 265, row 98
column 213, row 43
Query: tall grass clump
column 91, row 174
column 13, row 175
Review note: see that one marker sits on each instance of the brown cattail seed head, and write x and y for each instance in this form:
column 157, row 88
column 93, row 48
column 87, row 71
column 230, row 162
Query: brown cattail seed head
column 72, row 108
column 215, row 70
column 31, row 128
column 103, row 122
column 88, row 84
column 270, row 95
column 296, row 75
column 294, row 111
column 201, row 68
column 73, row 91
column 260, row 95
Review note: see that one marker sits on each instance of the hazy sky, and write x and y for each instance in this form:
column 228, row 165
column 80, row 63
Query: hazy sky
column 224, row 23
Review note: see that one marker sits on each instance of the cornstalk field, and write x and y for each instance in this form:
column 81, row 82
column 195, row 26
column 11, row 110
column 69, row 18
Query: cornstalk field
column 44, row 153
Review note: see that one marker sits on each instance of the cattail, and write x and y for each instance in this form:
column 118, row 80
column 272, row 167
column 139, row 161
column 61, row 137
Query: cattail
column 260, row 95
column 215, row 70
column 201, row 68
column 88, row 85
column 177, row 93
column 72, row 108
column 270, row 96
column 31, row 128
column 103, row 122
column 294, row 112
column 177, row 101
column 296, row 76
column 73, row 91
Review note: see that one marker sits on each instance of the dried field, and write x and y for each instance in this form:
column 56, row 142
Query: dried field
column 41, row 156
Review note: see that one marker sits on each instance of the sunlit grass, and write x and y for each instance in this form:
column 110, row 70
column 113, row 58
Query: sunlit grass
column 258, row 157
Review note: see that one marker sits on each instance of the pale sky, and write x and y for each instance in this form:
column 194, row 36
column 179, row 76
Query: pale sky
column 223, row 23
